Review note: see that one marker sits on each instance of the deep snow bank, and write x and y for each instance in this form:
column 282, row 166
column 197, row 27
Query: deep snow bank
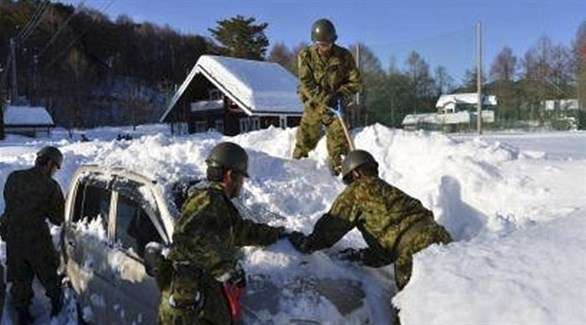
column 487, row 193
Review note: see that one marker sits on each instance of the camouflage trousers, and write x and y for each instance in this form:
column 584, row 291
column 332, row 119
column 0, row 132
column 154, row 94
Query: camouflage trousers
column 214, row 311
column 310, row 130
column 24, row 261
column 419, row 239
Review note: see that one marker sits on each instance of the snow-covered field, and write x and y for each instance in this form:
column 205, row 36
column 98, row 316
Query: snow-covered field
column 515, row 203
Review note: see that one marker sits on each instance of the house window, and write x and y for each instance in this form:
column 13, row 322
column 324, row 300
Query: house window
column 215, row 94
column 249, row 124
column 219, row 125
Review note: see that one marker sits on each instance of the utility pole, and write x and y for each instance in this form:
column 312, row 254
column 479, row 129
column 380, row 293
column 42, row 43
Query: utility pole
column 358, row 108
column 479, row 76
column 14, row 94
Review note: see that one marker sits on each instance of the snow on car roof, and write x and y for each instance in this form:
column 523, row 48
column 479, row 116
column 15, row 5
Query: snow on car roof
column 27, row 115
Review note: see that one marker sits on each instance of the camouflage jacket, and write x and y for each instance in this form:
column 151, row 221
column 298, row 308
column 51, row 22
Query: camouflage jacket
column 210, row 232
column 30, row 198
column 384, row 215
column 320, row 77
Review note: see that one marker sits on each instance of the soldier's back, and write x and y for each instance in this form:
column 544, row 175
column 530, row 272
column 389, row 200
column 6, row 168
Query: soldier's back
column 27, row 194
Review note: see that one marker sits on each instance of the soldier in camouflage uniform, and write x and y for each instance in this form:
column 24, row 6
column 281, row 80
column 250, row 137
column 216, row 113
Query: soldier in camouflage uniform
column 31, row 196
column 206, row 243
column 394, row 225
column 327, row 74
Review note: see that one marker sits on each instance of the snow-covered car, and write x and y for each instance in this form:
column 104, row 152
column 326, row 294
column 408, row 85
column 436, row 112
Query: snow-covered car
column 111, row 216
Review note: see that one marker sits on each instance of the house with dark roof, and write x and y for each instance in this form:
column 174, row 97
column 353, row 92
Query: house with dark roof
column 234, row 96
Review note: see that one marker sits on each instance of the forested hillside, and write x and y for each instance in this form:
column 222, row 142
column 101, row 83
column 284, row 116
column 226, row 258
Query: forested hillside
column 89, row 70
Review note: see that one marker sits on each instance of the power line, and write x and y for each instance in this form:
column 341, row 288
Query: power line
column 61, row 28
column 34, row 22
column 104, row 9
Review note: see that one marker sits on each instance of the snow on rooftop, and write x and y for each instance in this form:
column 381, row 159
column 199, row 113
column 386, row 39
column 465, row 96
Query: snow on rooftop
column 256, row 86
column 448, row 118
column 465, row 98
column 27, row 115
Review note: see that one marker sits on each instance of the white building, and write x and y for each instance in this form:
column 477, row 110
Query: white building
column 27, row 120
column 561, row 105
column 454, row 103
column 453, row 110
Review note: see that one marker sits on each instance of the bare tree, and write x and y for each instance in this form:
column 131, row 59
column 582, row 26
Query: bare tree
column 504, row 66
column 421, row 83
column 503, row 72
column 580, row 68
column 444, row 83
column 281, row 54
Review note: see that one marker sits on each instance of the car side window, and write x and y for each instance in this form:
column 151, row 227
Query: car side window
column 92, row 201
column 134, row 228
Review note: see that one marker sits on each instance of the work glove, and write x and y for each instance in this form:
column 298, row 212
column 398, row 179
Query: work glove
column 350, row 254
column 301, row 242
column 364, row 256
column 334, row 99
column 235, row 276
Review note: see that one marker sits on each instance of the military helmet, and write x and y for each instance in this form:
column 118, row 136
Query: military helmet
column 230, row 156
column 51, row 153
column 323, row 31
column 353, row 160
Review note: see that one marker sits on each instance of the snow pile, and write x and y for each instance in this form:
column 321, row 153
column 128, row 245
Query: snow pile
column 516, row 214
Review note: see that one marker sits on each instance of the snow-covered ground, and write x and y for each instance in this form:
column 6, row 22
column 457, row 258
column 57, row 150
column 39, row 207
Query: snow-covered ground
column 515, row 203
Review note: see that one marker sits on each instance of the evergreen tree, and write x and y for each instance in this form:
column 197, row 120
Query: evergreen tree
column 240, row 37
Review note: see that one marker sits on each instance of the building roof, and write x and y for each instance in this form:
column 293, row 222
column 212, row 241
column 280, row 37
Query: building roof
column 257, row 87
column 451, row 118
column 465, row 98
column 27, row 116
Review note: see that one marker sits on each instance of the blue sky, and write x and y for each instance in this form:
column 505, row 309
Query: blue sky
column 441, row 30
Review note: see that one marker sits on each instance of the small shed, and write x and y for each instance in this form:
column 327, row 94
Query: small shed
column 234, row 96
column 30, row 121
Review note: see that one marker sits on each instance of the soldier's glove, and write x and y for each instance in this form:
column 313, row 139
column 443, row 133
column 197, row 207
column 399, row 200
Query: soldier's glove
column 364, row 256
column 301, row 242
column 236, row 277
column 350, row 254
column 336, row 98
column 286, row 233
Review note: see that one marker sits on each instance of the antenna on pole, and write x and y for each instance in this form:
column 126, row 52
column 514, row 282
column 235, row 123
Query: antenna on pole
column 479, row 77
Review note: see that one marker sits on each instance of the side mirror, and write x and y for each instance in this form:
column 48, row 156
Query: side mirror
column 153, row 256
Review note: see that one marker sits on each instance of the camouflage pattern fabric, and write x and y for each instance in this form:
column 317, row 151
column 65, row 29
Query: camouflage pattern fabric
column 30, row 198
column 207, row 239
column 394, row 225
column 320, row 78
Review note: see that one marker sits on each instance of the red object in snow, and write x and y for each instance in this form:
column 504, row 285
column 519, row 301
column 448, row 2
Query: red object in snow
column 233, row 291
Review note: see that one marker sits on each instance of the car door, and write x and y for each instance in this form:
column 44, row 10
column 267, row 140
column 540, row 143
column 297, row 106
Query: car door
column 136, row 223
column 86, row 244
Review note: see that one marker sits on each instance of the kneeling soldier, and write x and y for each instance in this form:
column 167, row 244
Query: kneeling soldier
column 394, row 225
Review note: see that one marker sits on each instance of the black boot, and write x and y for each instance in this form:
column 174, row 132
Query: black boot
column 23, row 317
